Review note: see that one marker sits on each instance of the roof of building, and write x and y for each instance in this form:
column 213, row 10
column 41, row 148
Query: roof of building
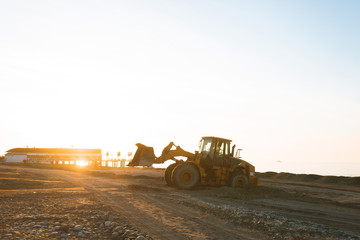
column 55, row 150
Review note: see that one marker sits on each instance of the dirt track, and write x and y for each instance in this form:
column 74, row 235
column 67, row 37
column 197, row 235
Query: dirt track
column 277, row 209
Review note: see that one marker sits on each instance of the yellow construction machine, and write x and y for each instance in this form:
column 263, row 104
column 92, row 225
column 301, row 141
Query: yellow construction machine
column 214, row 164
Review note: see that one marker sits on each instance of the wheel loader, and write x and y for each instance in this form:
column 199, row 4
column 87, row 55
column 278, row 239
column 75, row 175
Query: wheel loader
column 214, row 164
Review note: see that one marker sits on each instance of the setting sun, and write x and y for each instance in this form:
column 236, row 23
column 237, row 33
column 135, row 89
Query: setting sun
column 82, row 163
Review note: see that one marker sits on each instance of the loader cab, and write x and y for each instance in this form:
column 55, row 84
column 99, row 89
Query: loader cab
column 214, row 152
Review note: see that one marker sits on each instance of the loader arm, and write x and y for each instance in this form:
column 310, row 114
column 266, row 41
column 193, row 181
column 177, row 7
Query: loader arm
column 171, row 154
column 145, row 156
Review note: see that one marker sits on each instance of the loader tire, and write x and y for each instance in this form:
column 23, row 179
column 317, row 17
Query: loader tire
column 186, row 176
column 168, row 175
column 239, row 180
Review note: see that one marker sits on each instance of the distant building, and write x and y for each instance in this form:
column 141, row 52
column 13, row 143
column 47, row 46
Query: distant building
column 53, row 155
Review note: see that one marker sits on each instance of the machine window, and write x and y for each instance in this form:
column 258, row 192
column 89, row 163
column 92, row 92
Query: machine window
column 227, row 149
column 220, row 149
column 206, row 145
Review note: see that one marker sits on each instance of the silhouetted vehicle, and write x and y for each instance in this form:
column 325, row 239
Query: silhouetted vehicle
column 213, row 164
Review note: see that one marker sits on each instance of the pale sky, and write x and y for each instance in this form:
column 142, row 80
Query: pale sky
column 279, row 78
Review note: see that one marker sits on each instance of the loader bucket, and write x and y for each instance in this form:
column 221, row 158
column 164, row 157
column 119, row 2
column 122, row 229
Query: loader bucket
column 144, row 156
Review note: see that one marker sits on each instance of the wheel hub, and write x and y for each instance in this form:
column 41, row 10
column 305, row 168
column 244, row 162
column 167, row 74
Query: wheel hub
column 186, row 177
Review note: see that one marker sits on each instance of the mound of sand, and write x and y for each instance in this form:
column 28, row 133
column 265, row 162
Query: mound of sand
column 352, row 181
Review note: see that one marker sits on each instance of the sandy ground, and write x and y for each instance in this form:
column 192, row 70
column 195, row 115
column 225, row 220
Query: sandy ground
column 92, row 204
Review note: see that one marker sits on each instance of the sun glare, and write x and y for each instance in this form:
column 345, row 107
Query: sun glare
column 81, row 163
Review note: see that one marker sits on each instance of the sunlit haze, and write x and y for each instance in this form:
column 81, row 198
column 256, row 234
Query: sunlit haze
column 279, row 78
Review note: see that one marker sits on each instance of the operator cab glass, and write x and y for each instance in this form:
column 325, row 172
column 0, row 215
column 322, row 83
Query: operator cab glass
column 238, row 154
column 205, row 145
column 220, row 147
